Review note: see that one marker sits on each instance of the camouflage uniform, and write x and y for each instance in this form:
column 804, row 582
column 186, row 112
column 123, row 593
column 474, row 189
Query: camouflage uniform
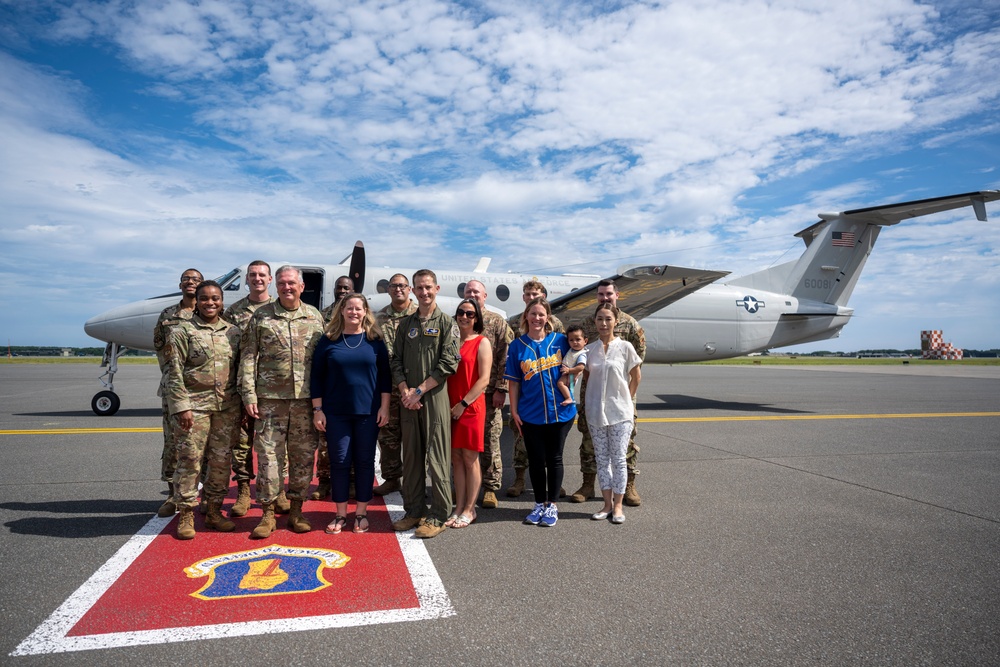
column 390, row 459
column 322, row 452
column 275, row 361
column 201, row 377
column 628, row 329
column 238, row 315
column 168, row 319
column 426, row 348
column 500, row 335
column 520, row 453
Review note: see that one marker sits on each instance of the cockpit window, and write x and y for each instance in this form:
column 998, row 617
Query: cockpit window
column 230, row 281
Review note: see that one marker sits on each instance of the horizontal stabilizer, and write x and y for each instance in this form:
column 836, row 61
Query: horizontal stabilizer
column 642, row 290
column 893, row 213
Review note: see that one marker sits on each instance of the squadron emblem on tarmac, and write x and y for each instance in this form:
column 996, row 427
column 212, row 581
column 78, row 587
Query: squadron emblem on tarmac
column 271, row 570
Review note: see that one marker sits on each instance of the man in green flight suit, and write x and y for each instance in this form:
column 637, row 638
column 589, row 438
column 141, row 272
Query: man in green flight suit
column 425, row 353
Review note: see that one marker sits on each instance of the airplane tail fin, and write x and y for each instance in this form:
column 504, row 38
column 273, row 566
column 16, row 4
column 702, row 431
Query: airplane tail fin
column 838, row 246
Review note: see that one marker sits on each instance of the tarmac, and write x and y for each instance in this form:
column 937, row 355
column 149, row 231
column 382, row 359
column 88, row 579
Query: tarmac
column 790, row 515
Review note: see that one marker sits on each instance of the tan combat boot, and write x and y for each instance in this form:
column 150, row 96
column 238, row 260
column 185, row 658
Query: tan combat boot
column 517, row 488
column 185, row 524
column 387, row 487
column 266, row 525
column 281, row 504
column 296, row 522
column 490, row 501
column 214, row 518
column 168, row 508
column 242, row 504
column 631, row 498
column 586, row 490
column 322, row 491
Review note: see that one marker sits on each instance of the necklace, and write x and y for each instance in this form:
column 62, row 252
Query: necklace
column 353, row 347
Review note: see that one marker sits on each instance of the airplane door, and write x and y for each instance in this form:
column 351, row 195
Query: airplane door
column 313, row 293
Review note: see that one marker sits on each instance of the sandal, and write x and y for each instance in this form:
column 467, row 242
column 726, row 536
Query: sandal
column 450, row 523
column 358, row 518
column 461, row 522
column 336, row 525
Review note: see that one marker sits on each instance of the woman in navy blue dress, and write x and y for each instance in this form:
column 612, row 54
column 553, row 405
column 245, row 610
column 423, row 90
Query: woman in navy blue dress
column 350, row 387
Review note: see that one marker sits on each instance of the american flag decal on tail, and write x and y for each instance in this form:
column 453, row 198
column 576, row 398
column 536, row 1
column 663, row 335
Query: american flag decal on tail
column 843, row 239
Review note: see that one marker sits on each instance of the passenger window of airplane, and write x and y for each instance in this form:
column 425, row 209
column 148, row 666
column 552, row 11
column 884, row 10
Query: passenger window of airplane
column 461, row 290
column 383, row 286
column 503, row 292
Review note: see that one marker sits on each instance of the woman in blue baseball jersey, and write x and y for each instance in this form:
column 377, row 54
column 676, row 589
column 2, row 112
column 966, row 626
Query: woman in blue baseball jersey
column 533, row 369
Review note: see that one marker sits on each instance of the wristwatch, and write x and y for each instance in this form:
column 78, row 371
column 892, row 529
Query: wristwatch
column 319, row 409
column 417, row 391
column 464, row 403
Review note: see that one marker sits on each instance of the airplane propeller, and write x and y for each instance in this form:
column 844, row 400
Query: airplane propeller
column 357, row 270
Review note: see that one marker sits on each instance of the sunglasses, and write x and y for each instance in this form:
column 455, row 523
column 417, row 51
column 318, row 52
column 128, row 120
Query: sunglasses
column 465, row 313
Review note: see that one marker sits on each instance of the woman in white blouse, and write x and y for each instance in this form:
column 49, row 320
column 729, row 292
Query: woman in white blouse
column 613, row 374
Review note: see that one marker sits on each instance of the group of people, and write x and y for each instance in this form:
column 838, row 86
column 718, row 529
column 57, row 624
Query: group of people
column 277, row 379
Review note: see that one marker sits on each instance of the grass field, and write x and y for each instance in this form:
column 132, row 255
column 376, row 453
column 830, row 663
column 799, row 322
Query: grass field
column 847, row 361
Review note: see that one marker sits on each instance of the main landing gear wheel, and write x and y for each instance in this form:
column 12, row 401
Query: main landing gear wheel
column 105, row 403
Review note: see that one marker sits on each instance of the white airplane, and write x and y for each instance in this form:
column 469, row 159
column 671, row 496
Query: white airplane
column 685, row 315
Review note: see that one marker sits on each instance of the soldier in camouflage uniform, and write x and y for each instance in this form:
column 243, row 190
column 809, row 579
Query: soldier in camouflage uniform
column 168, row 319
column 341, row 288
column 531, row 290
column 200, row 387
column 500, row 335
column 258, row 279
column 628, row 329
column 425, row 353
column 390, row 436
column 275, row 362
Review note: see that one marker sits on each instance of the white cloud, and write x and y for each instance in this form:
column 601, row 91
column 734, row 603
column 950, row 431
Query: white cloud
column 468, row 129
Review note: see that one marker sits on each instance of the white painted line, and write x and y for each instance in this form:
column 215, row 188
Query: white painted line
column 50, row 636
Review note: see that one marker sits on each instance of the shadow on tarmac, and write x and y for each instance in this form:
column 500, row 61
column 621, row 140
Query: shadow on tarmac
column 126, row 517
column 684, row 402
column 124, row 412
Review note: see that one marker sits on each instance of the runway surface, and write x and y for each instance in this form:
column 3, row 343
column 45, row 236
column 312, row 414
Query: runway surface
column 790, row 515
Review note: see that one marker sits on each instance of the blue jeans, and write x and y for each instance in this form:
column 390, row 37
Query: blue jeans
column 351, row 440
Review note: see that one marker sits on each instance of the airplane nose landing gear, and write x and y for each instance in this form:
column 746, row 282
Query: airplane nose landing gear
column 106, row 403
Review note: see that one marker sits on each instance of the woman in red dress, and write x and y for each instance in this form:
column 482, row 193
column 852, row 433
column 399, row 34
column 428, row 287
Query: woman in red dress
column 468, row 411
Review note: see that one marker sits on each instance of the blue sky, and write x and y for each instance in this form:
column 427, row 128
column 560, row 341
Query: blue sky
column 140, row 138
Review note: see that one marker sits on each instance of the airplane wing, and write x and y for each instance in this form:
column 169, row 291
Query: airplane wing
column 642, row 290
column 893, row 213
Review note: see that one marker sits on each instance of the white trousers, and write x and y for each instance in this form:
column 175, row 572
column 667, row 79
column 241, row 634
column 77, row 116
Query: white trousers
column 610, row 445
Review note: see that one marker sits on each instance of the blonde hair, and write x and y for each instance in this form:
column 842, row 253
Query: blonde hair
column 537, row 301
column 336, row 326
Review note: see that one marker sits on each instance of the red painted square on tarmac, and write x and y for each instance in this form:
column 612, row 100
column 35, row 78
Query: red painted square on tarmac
column 159, row 589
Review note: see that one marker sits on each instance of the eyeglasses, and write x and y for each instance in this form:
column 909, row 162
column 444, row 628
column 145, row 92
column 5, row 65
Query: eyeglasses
column 191, row 279
column 465, row 313
column 398, row 285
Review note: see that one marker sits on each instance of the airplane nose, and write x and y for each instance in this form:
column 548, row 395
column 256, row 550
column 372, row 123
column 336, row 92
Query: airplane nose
column 97, row 327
